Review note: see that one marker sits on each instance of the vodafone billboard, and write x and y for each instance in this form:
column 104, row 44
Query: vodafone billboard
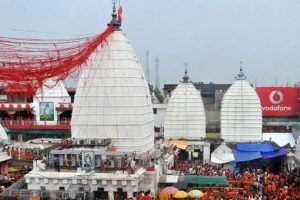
column 279, row 101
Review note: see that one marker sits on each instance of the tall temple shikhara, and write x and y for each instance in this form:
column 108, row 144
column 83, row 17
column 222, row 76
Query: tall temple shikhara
column 113, row 99
column 109, row 153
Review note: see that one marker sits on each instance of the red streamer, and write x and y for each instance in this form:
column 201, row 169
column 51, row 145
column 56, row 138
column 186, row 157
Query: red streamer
column 120, row 14
column 26, row 63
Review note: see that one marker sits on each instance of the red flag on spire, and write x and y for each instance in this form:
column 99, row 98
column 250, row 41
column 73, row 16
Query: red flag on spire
column 120, row 14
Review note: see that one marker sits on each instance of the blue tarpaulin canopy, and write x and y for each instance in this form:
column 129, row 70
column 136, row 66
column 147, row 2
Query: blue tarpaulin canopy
column 274, row 154
column 250, row 151
column 251, row 147
column 241, row 156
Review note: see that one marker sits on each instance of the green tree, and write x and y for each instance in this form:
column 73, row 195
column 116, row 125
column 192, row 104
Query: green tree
column 151, row 88
column 159, row 95
column 297, row 84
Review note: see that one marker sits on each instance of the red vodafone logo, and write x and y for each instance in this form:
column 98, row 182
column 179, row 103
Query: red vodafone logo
column 276, row 97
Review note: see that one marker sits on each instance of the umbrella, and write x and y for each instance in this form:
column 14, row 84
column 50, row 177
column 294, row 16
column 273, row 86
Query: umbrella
column 180, row 195
column 195, row 194
column 170, row 190
column 164, row 196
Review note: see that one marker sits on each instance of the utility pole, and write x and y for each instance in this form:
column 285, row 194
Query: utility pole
column 147, row 68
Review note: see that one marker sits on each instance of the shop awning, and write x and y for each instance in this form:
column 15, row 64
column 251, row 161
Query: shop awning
column 193, row 179
column 241, row 156
column 181, row 144
column 274, row 154
column 281, row 139
column 252, row 147
column 206, row 180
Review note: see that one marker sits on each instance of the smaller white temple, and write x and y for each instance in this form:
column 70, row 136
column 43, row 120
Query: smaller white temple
column 185, row 115
column 47, row 99
column 241, row 115
column 185, row 123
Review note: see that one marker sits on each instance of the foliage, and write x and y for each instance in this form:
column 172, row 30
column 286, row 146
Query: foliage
column 159, row 95
column 151, row 88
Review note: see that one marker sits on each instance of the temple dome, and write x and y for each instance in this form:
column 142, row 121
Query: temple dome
column 185, row 114
column 241, row 115
column 113, row 100
column 51, row 96
column 51, row 89
column 3, row 134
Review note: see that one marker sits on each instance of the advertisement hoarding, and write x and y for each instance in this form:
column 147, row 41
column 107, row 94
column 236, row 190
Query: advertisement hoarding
column 279, row 101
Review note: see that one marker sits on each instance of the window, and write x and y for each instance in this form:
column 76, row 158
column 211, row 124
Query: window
column 43, row 188
column 156, row 129
column 61, row 188
column 155, row 111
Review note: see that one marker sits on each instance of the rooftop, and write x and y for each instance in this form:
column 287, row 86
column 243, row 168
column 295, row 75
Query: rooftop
column 97, row 173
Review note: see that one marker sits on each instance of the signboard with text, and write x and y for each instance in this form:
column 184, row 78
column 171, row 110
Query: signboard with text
column 279, row 101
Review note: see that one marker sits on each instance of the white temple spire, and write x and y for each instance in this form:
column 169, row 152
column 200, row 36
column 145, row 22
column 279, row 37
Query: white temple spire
column 185, row 78
column 185, row 115
column 241, row 115
column 113, row 100
column 114, row 21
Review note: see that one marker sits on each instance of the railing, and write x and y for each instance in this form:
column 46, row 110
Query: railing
column 32, row 124
column 99, row 169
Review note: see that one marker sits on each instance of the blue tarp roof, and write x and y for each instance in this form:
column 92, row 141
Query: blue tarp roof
column 251, row 147
column 274, row 154
column 241, row 156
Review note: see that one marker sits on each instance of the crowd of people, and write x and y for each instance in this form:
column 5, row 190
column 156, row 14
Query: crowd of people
column 144, row 195
column 246, row 183
column 185, row 168
column 19, row 153
column 7, row 179
column 263, row 184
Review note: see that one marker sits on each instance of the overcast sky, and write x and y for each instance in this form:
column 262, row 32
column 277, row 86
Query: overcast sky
column 212, row 36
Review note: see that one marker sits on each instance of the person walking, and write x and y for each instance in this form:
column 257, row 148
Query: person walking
column 56, row 163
